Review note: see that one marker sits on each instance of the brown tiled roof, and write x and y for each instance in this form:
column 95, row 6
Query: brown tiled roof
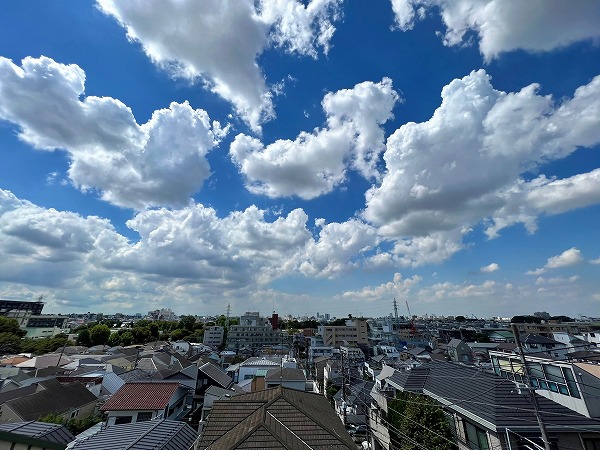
column 274, row 418
column 141, row 396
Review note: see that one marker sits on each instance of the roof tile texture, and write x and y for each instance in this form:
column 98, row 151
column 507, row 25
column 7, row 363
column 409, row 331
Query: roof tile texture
column 141, row 396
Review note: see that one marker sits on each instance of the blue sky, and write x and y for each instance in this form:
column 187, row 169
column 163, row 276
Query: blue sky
column 322, row 156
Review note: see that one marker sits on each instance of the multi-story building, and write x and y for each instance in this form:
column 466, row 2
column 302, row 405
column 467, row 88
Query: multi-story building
column 255, row 332
column 21, row 311
column 30, row 318
column 46, row 326
column 213, row 336
column 547, row 329
column 573, row 385
column 354, row 333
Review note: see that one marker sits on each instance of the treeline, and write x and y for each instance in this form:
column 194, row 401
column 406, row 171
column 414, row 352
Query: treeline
column 141, row 332
column 12, row 340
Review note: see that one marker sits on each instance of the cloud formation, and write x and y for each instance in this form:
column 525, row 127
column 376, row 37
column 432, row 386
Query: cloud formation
column 568, row 258
column 493, row 267
column 507, row 25
column 465, row 164
column 189, row 39
column 162, row 162
column 315, row 163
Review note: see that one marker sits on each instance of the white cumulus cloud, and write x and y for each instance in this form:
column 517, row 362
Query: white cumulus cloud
column 493, row 267
column 465, row 164
column 506, row 25
column 315, row 163
column 220, row 40
column 162, row 162
column 568, row 258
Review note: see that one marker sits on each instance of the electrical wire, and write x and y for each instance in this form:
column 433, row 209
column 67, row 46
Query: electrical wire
column 515, row 408
column 423, row 426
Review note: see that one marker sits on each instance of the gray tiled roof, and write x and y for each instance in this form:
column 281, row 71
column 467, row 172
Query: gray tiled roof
column 55, row 397
column 274, row 418
column 50, row 432
column 485, row 398
column 155, row 435
column 285, row 374
column 216, row 374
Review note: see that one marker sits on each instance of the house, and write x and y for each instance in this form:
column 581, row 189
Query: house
column 353, row 407
column 535, row 343
column 575, row 385
column 501, row 336
column 487, row 411
column 71, row 400
column 274, row 418
column 155, row 435
column 142, row 401
column 34, row 436
column 289, row 378
column 213, row 394
column 459, row 351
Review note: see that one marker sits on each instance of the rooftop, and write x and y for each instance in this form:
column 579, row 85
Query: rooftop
column 141, row 396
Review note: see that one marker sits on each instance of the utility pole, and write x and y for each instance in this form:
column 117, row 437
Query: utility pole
column 227, row 319
column 343, row 387
column 530, row 389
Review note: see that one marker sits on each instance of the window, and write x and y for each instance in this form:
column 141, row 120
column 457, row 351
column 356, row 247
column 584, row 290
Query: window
column 591, row 444
column 74, row 413
column 123, row 419
column 477, row 437
column 144, row 416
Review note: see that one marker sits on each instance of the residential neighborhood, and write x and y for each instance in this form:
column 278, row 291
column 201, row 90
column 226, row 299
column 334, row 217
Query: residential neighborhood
column 283, row 382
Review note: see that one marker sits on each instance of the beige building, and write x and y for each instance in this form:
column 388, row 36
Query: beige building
column 354, row 333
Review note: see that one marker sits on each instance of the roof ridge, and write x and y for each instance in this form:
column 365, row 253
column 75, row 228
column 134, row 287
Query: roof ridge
column 158, row 422
column 260, row 411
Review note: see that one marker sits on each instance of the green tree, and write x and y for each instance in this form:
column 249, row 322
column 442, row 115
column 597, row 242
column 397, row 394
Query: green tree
column 179, row 334
column 126, row 338
column 99, row 334
column 11, row 326
column 83, row 338
column 141, row 335
column 9, row 343
column 75, row 426
column 154, row 330
column 114, row 340
column 187, row 323
column 419, row 419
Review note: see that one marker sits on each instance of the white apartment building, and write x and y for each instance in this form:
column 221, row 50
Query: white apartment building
column 213, row 336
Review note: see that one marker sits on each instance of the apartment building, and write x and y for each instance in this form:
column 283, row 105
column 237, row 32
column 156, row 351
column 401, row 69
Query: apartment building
column 354, row 333
column 213, row 336
column 255, row 332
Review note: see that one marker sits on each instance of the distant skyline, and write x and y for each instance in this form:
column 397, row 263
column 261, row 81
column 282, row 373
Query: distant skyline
column 306, row 156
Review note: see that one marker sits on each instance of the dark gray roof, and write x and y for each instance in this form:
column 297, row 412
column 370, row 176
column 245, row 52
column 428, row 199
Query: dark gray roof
column 55, row 397
column 488, row 399
column 155, row 435
column 274, row 418
column 411, row 380
column 538, row 339
column 136, row 375
column 17, row 393
column 50, row 432
column 285, row 374
column 213, row 371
